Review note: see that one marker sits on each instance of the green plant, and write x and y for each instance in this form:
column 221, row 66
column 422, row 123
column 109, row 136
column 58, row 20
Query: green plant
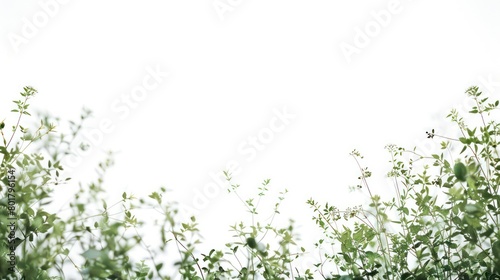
column 442, row 222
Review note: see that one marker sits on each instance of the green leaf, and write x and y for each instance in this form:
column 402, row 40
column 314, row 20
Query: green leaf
column 159, row 266
column 251, row 242
column 472, row 209
column 460, row 171
column 44, row 228
column 91, row 254
column 495, row 248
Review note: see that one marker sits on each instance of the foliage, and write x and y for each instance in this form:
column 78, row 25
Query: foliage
column 97, row 239
column 441, row 223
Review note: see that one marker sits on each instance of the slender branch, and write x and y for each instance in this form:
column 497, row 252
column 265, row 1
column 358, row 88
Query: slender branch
column 191, row 254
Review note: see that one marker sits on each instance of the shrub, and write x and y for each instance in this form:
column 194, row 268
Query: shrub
column 97, row 239
column 440, row 223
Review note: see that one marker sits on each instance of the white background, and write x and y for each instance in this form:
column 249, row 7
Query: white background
column 229, row 71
